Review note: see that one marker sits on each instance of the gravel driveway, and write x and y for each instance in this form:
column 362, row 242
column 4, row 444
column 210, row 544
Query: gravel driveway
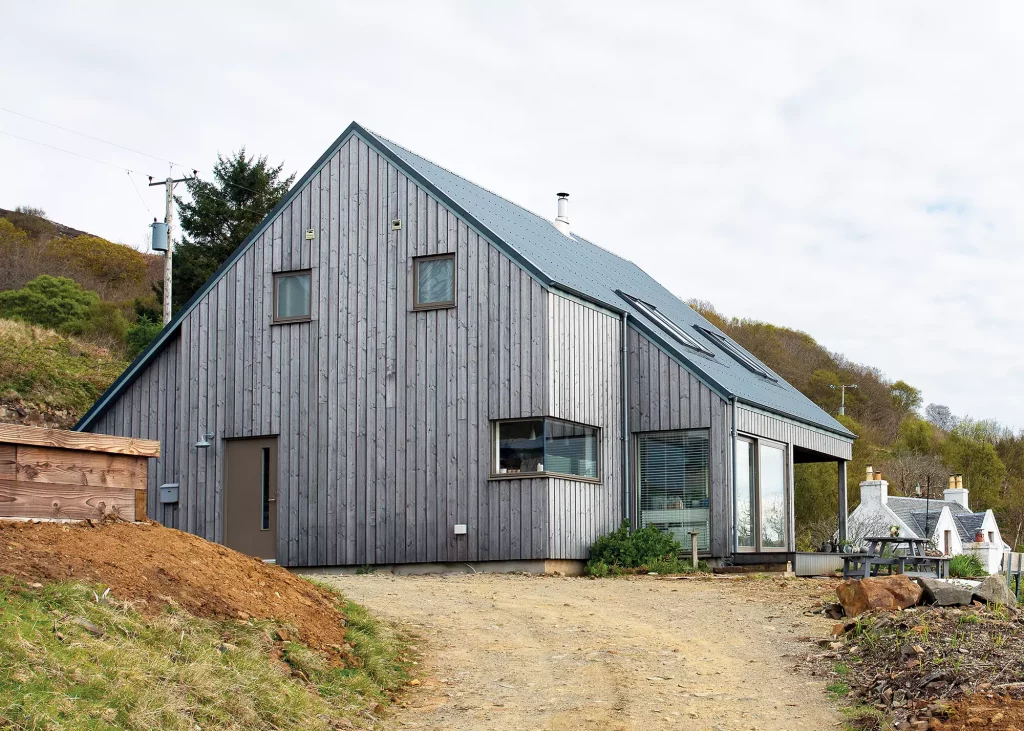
column 522, row 652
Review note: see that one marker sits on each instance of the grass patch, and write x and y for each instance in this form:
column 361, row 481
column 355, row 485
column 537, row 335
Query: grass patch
column 966, row 565
column 838, row 689
column 43, row 367
column 68, row 661
column 864, row 718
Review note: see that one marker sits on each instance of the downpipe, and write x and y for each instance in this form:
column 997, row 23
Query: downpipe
column 732, row 483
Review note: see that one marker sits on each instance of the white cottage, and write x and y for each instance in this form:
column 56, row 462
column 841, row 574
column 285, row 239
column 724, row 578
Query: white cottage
column 949, row 523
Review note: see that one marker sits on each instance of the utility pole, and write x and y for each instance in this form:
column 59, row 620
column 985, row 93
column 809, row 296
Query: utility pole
column 168, row 219
column 842, row 402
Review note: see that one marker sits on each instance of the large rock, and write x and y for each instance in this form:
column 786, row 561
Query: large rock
column 993, row 590
column 881, row 592
column 946, row 593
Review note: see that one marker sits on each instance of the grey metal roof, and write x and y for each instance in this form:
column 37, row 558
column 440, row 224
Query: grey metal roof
column 969, row 524
column 576, row 264
column 568, row 262
column 912, row 511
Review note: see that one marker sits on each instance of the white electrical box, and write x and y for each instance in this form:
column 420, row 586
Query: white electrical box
column 310, row 234
column 460, row 529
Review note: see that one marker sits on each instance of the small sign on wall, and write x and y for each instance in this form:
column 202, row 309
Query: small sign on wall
column 310, row 234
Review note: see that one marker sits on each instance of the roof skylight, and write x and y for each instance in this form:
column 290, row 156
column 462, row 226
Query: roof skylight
column 670, row 327
column 732, row 349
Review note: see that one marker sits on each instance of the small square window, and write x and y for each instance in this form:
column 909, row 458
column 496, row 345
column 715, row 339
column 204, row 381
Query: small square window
column 292, row 296
column 434, row 282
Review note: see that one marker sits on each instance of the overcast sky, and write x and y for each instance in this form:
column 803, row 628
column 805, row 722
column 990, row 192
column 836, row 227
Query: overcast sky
column 852, row 169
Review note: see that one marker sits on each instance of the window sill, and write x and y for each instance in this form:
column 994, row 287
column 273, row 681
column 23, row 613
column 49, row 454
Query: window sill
column 439, row 306
column 543, row 475
column 291, row 321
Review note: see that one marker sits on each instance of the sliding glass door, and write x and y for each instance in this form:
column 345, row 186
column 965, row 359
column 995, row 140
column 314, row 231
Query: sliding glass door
column 761, row 495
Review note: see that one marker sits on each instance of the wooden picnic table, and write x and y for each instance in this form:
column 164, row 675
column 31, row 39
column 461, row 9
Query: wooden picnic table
column 914, row 562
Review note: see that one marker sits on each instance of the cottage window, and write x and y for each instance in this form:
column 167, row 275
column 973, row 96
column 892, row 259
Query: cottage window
column 292, row 292
column 434, row 282
column 525, row 447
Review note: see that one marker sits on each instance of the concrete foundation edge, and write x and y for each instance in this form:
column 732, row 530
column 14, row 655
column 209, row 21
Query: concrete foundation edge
column 535, row 566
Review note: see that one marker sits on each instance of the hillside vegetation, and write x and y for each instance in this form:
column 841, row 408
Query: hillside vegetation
column 51, row 379
column 78, row 284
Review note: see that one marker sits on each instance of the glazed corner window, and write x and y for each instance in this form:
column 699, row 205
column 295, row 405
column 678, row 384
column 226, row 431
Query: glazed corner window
column 292, row 296
column 545, row 446
column 433, row 282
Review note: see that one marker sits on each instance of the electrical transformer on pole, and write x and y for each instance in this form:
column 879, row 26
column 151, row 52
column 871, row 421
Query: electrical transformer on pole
column 162, row 237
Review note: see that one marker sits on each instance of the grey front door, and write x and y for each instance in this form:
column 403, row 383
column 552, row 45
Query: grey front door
column 250, row 496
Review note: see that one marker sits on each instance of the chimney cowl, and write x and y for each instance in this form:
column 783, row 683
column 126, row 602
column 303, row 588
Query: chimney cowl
column 562, row 220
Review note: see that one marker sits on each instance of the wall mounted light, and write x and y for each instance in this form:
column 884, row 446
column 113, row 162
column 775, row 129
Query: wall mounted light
column 204, row 440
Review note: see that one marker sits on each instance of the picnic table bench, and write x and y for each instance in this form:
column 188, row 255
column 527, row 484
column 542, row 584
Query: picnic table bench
column 914, row 562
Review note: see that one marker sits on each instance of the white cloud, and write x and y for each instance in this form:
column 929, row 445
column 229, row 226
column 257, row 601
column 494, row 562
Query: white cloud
column 849, row 169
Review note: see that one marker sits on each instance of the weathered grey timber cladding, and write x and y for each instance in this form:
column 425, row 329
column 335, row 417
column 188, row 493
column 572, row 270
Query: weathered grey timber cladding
column 584, row 376
column 665, row 396
column 382, row 414
column 759, row 423
column 150, row 412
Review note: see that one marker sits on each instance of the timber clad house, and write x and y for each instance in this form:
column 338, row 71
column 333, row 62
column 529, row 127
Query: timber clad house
column 400, row 367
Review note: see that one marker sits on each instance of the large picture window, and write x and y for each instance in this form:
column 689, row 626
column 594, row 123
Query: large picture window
column 545, row 446
column 292, row 291
column 434, row 282
column 675, row 484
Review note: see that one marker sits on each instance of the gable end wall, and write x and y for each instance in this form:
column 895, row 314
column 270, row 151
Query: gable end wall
column 382, row 414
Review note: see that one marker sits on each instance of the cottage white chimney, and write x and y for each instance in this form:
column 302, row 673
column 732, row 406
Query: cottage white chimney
column 956, row 492
column 562, row 221
column 874, row 491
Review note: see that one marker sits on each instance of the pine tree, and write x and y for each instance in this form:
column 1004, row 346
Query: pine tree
column 220, row 215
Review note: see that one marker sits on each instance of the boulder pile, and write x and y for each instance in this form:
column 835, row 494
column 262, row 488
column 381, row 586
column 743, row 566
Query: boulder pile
column 901, row 592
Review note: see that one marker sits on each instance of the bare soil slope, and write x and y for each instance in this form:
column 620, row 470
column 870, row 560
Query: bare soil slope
column 151, row 566
column 518, row 652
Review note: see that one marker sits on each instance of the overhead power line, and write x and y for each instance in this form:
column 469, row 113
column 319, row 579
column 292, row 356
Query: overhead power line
column 194, row 169
column 91, row 137
column 69, row 152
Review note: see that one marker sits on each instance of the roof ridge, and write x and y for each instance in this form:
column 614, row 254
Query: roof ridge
column 511, row 202
column 389, row 141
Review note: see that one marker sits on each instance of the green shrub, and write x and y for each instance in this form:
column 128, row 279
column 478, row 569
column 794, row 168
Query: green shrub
column 966, row 565
column 140, row 335
column 56, row 302
column 642, row 548
column 62, row 304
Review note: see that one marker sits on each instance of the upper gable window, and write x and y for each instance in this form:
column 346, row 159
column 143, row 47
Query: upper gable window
column 433, row 281
column 732, row 349
column 670, row 327
column 292, row 292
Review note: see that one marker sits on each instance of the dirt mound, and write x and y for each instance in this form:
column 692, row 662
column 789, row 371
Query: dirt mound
column 152, row 566
column 994, row 712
